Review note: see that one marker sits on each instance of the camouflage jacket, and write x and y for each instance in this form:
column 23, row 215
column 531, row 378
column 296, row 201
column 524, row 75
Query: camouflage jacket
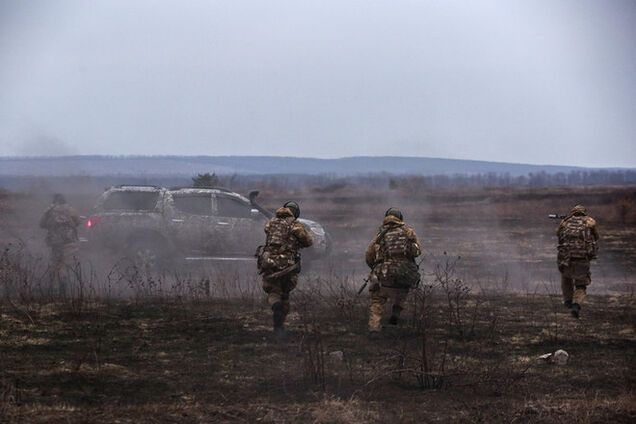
column 284, row 238
column 395, row 241
column 60, row 222
column 577, row 237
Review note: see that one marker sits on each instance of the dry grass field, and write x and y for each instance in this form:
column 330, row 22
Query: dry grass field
column 195, row 346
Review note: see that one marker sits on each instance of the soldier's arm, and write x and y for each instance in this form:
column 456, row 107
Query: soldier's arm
column 591, row 223
column 414, row 244
column 75, row 217
column 302, row 235
column 369, row 255
column 44, row 221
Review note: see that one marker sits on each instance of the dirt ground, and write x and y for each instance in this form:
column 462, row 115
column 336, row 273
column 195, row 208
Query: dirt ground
column 195, row 345
column 215, row 361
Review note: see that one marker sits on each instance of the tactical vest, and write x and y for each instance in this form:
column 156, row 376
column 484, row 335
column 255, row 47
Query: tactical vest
column 394, row 244
column 396, row 268
column 279, row 235
column 280, row 250
column 61, row 227
column 575, row 239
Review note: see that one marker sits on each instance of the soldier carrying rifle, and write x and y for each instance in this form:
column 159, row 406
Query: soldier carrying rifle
column 391, row 257
column 578, row 237
column 279, row 260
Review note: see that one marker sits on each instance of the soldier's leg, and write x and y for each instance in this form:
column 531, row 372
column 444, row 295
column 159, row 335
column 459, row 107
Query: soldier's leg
column 580, row 273
column 274, row 299
column 580, row 293
column 567, row 288
column 288, row 285
column 376, row 309
column 57, row 267
column 399, row 296
column 69, row 267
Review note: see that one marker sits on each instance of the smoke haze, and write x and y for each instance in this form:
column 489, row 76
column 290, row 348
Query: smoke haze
column 532, row 82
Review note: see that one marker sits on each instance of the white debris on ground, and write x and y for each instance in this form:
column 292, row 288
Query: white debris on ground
column 560, row 357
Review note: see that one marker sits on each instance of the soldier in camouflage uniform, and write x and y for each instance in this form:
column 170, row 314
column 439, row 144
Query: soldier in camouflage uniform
column 61, row 222
column 391, row 257
column 279, row 259
column 578, row 239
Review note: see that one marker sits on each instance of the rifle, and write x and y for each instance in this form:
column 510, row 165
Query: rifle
column 366, row 282
column 557, row 216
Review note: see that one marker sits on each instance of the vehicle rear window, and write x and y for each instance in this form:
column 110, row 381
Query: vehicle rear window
column 131, row 201
column 232, row 208
column 194, row 204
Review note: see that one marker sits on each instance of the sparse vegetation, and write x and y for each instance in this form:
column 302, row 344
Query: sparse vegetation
column 194, row 344
column 205, row 180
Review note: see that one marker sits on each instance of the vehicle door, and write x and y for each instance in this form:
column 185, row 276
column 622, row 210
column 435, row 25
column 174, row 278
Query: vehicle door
column 193, row 222
column 239, row 226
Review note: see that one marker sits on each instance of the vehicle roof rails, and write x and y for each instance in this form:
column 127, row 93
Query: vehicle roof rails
column 137, row 185
column 225, row 190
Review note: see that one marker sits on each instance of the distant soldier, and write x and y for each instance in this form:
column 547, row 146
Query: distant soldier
column 61, row 222
column 279, row 260
column 391, row 257
column 578, row 239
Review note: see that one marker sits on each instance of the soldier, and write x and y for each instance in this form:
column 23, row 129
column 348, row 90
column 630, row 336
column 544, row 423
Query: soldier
column 279, row 260
column 391, row 257
column 61, row 222
column 578, row 238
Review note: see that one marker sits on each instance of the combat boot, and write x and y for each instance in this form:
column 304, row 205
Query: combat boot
column 568, row 304
column 575, row 310
column 278, row 315
column 395, row 315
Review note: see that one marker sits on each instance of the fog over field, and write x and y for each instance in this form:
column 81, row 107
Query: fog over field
column 167, row 134
column 541, row 82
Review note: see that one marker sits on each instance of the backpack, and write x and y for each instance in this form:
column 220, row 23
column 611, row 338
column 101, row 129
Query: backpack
column 575, row 239
column 394, row 243
column 278, row 252
column 397, row 268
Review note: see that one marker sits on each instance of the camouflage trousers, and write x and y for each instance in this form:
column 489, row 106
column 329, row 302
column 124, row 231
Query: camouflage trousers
column 379, row 298
column 64, row 259
column 575, row 277
column 278, row 290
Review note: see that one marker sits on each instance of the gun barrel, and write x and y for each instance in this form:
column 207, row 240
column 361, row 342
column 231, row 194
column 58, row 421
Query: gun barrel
column 556, row 216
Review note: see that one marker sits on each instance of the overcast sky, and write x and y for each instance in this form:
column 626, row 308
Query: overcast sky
column 518, row 81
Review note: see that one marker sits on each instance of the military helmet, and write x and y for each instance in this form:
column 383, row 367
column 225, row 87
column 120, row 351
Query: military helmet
column 59, row 199
column 578, row 210
column 293, row 207
column 394, row 212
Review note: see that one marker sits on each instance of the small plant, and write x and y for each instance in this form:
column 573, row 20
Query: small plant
column 205, row 180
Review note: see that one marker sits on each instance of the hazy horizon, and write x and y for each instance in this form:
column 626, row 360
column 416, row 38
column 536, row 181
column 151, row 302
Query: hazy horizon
column 159, row 156
column 542, row 83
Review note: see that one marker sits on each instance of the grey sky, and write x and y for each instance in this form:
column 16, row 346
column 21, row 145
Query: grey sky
column 520, row 81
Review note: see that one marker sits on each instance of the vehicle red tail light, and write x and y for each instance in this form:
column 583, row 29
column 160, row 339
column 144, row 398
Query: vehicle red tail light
column 92, row 221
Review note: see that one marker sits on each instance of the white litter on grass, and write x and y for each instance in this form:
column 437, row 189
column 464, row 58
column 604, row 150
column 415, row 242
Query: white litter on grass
column 560, row 357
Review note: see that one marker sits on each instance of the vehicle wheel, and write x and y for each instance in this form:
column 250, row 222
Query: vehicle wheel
column 147, row 255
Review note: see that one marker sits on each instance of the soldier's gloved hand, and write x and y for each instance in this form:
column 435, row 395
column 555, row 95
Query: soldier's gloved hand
column 374, row 286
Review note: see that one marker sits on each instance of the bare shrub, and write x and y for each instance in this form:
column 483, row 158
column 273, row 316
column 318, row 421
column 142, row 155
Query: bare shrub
column 456, row 294
column 8, row 398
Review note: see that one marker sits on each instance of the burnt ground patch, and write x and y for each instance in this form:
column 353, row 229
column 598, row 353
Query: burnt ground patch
column 215, row 361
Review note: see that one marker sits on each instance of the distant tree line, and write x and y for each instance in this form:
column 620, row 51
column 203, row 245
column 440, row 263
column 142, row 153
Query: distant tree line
column 334, row 182
column 329, row 182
